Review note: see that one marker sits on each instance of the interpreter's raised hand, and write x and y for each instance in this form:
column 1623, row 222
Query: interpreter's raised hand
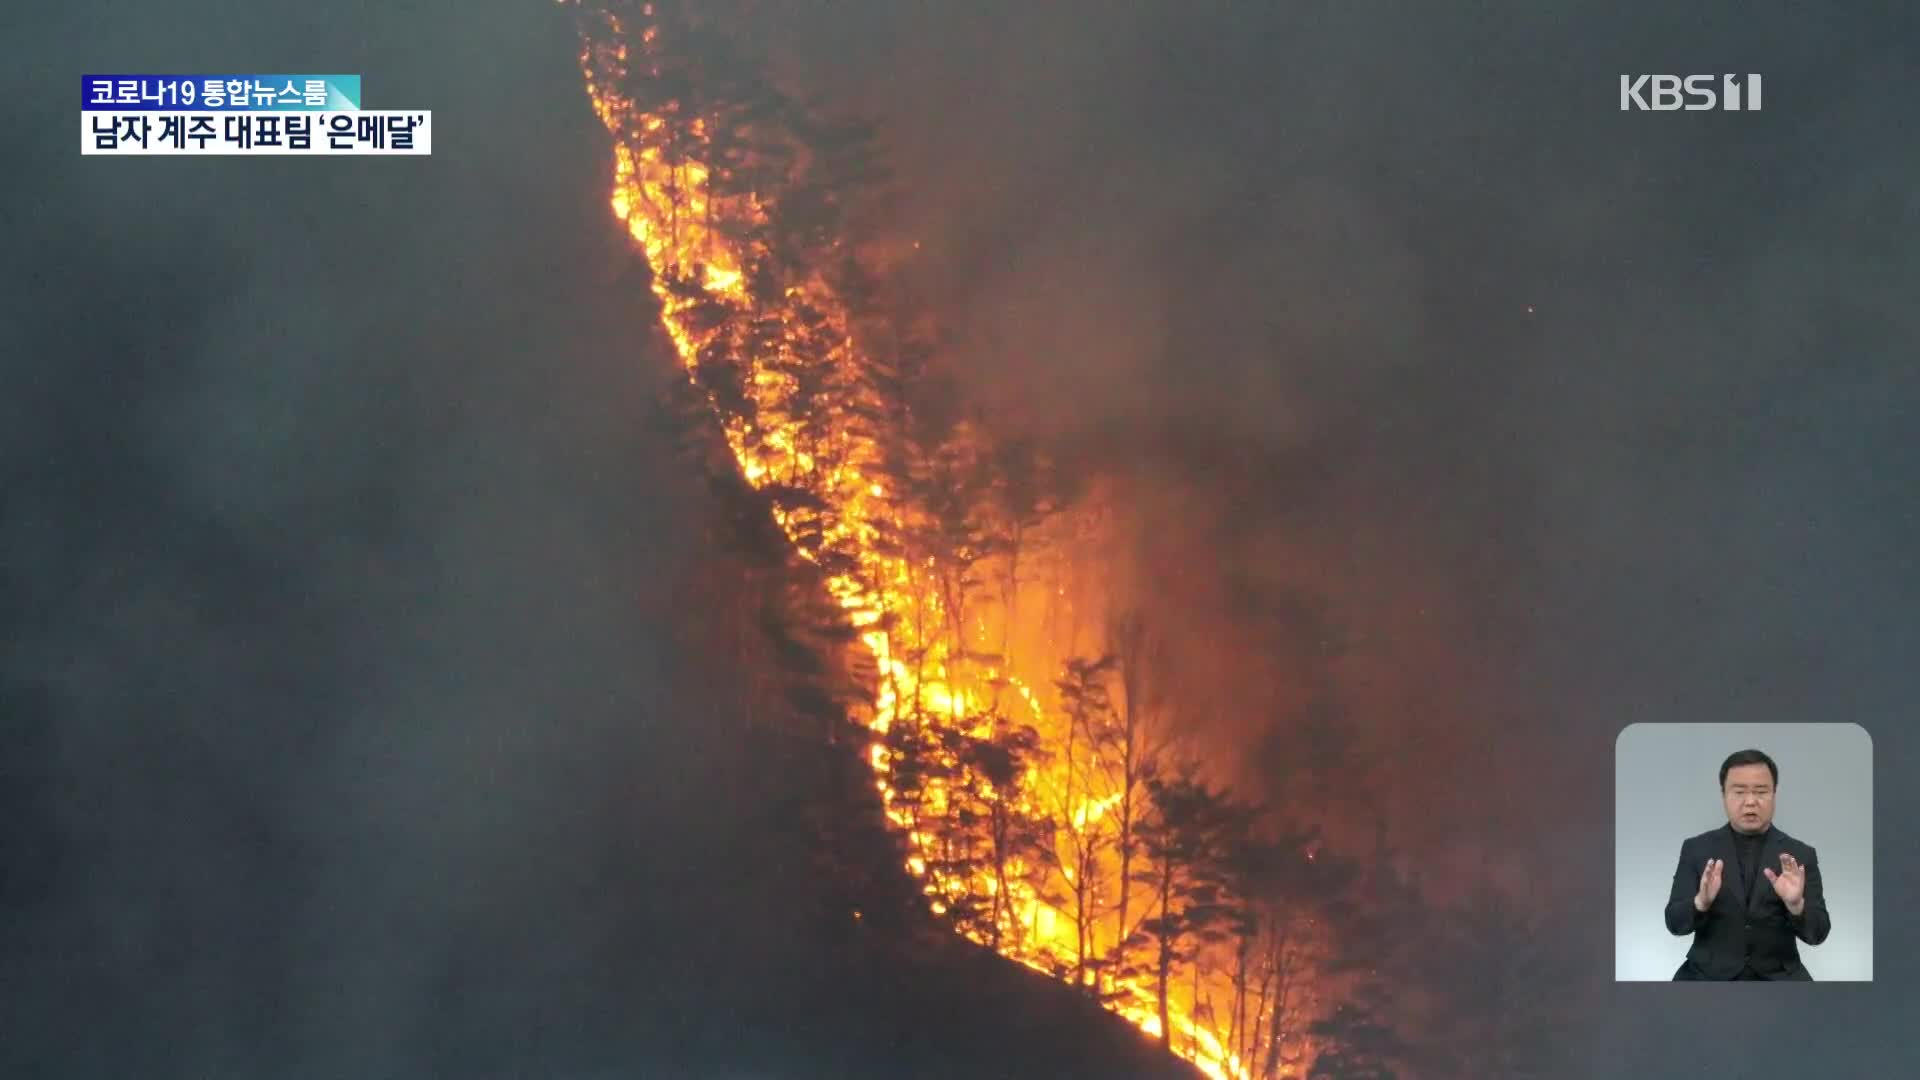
column 1790, row 883
column 1710, row 884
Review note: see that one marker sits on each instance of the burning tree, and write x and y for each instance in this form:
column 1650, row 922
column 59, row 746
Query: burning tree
column 978, row 836
column 1082, row 838
column 1189, row 844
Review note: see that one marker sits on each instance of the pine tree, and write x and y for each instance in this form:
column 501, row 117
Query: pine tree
column 1133, row 747
column 1082, row 835
column 1187, row 844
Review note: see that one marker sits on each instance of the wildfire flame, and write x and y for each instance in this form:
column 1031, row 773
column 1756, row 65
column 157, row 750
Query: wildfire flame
column 701, row 246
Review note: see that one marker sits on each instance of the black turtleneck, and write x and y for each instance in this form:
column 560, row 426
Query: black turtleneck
column 1747, row 851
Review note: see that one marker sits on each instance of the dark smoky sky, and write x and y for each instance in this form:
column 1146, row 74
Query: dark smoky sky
column 333, row 549
column 330, row 653
column 1573, row 417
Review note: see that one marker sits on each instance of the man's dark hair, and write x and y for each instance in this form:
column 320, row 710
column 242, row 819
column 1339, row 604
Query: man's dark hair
column 1749, row 757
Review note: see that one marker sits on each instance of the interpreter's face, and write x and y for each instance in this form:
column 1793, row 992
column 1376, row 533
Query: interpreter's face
column 1749, row 797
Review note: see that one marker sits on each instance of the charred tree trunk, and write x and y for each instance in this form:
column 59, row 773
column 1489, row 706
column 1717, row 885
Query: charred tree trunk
column 1166, row 957
column 1236, row 1022
column 1086, row 857
column 1282, row 961
column 1254, row 1044
column 1193, row 1006
column 1001, row 907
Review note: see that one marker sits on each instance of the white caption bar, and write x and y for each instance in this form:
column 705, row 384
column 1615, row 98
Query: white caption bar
column 206, row 134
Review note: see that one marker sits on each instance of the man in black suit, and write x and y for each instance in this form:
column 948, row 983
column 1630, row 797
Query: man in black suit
column 1747, row 891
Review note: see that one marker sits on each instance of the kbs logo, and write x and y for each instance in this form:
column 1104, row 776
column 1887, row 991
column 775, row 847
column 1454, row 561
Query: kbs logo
column 1694, row 93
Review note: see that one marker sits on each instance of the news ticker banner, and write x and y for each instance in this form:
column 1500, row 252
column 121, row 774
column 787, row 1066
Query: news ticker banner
column 242, row 114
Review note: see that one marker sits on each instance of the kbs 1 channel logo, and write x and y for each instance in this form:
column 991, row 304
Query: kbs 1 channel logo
column 242, row 114
column 1692, row 93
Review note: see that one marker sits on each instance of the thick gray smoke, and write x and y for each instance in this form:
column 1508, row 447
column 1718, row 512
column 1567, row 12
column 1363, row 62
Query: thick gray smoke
column 1572, row 417
column 333, row 557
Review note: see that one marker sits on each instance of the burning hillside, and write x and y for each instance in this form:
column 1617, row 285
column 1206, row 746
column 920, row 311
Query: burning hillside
column 1022, row 736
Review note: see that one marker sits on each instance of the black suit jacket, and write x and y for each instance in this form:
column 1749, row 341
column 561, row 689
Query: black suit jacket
column 1738, row 928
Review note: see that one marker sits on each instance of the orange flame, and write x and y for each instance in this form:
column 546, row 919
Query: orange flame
column 664, row 193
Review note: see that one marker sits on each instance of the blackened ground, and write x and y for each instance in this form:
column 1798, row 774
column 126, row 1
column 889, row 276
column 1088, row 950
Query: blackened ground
column 780, row 978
